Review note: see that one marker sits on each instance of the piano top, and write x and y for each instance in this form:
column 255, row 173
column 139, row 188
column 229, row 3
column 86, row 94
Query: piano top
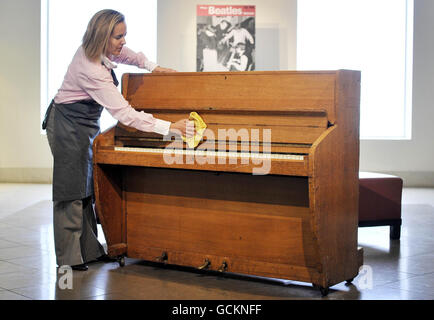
column 254, row 91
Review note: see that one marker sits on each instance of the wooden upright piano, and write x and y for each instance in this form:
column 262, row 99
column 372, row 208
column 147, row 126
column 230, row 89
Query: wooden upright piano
column 271, row 191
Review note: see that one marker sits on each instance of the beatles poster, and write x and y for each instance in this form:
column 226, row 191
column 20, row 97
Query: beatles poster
column 225, row 38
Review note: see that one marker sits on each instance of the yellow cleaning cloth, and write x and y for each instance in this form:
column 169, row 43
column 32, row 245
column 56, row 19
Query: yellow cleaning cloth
column 200, row 127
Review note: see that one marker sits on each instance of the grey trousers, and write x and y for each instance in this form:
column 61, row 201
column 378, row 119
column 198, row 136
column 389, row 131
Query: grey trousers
column 75, row 232
column 74, row 221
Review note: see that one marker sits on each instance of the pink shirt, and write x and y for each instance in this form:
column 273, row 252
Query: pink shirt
column 87, row 80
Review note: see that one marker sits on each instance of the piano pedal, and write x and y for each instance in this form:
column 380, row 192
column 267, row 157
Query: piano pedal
column 324, row 290
column 205, row 265
column 163, row 258
column 223, row 267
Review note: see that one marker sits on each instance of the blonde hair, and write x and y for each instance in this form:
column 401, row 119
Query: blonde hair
column 99, row 30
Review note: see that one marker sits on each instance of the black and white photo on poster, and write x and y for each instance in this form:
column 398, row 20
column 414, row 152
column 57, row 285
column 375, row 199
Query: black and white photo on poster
column 225, row 38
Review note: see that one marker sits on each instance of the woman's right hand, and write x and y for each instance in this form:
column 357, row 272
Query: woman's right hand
column 183, row 127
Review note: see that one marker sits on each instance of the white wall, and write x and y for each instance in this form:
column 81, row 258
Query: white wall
column 413, row 160
column 24, row 152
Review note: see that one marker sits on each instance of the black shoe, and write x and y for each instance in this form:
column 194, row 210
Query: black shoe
column 80, row 267
column 106, row 258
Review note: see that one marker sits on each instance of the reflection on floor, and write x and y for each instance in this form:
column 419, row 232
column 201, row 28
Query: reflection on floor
column 392, row 269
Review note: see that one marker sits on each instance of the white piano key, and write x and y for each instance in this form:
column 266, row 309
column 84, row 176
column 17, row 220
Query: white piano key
column 207, row 153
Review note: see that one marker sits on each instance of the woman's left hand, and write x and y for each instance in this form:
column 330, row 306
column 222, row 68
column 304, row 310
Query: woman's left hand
column 161, row 69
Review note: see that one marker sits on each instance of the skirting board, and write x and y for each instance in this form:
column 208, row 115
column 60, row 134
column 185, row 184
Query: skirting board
column 26, row 175
column 45, row 175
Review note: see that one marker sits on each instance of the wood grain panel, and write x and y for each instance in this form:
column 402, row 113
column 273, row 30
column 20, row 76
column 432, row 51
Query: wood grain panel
column 249, row 118
column 234, row 264
column 302, row 128
column 283, row 167
column 277, row 91
column 222, row 214
column 217, row 232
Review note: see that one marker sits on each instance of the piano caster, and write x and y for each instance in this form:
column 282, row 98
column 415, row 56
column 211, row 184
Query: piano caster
column 324, row 291
column 205, row 265
column 223, row 267
column 121, row 261
column 163, row 258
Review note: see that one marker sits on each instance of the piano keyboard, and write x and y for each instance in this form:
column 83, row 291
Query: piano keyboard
column 206, row 153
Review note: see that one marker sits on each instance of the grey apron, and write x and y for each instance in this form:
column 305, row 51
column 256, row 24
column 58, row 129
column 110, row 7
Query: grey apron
column 71, row 130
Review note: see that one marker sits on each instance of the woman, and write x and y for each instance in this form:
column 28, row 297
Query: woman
column 72, row 123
